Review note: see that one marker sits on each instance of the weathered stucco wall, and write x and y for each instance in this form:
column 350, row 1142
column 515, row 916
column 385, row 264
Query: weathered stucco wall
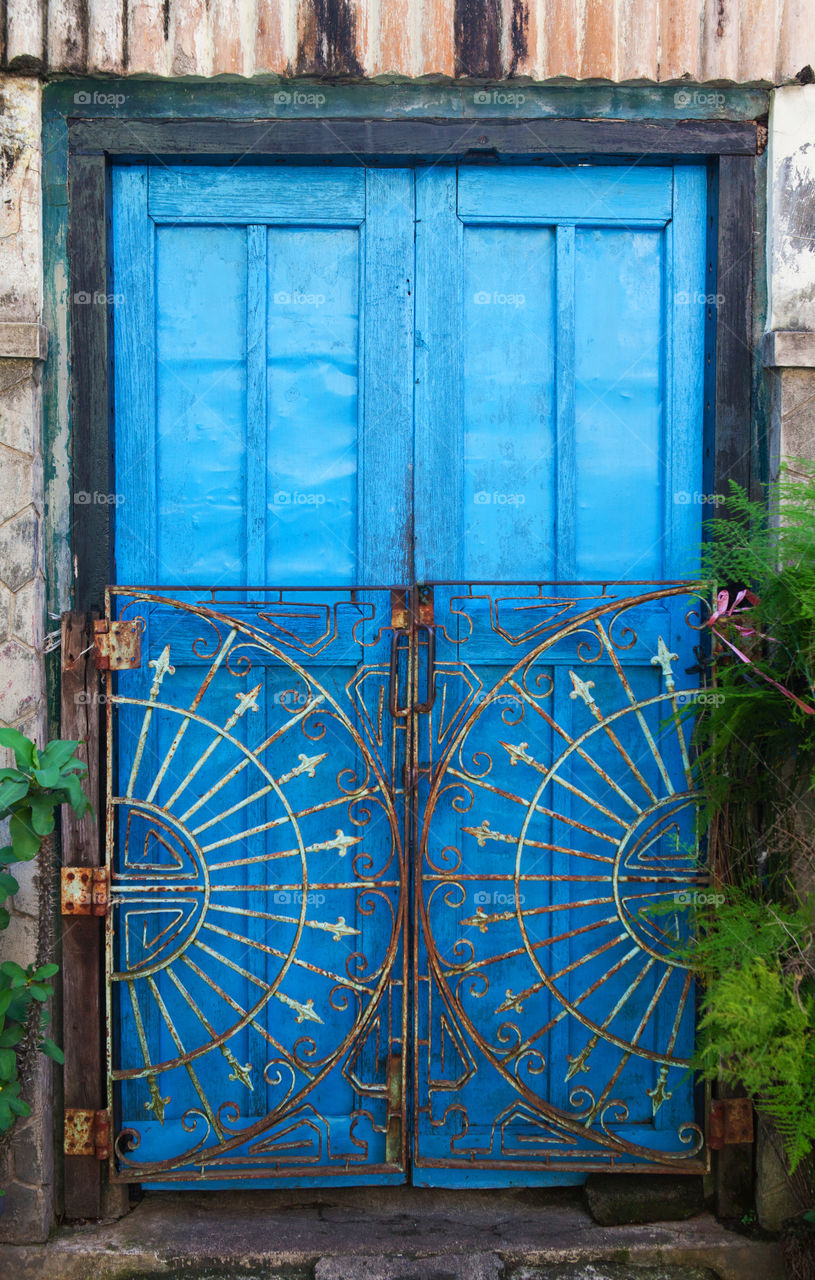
column 27, row 1169
column 746, row 41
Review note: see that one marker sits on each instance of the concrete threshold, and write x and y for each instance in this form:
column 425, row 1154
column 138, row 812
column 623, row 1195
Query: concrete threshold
column 386, row 1234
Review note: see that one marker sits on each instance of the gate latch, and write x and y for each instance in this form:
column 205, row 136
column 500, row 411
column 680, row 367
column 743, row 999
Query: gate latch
column 117, row 645
column 85, row 891
column 87, row 1133
column 730, row 1120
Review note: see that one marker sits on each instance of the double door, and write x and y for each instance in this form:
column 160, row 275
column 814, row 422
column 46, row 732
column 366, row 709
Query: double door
column 406, row 463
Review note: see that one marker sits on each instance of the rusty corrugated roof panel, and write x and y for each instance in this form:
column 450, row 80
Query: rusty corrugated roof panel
column 747, row 41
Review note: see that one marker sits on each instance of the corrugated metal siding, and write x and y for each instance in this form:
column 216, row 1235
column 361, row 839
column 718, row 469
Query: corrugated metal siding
column 745, row 41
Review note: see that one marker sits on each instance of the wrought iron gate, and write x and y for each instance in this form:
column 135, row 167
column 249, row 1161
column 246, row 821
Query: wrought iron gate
column 288, row 769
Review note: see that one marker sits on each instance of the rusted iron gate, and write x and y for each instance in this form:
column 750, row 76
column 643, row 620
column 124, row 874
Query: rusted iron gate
column 371, row 851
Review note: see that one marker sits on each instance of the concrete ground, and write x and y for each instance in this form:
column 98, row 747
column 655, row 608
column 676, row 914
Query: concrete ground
column 386, row 1234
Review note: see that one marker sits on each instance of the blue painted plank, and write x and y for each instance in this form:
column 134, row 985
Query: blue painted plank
column 313, row 376
column 438, row 446
column 202, row 193
column 257, row 435
column 588, row 194
column 134, row 339
column 386, row 423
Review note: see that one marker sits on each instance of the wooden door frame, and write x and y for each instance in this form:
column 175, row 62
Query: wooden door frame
column 727, row 149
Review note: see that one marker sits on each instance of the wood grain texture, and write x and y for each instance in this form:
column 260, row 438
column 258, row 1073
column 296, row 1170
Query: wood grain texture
column 87, row 254
column 81, row 937
column 429, row 138
column 734, row 322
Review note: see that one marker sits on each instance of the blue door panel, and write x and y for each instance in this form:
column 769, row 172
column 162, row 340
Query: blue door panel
column 331, row 382
column 509, row 388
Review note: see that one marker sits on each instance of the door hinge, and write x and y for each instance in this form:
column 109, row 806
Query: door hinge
column 730, row 1120
column 85, row 891
column 393, row 1134
column 117, row 645
column 87, row 1133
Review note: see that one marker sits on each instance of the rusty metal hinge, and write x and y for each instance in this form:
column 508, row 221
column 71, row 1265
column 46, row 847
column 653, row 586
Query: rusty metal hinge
column 117, row 645
column 393, row 1134
column 87, row 1133
column 85, row 891
column 730, row 1120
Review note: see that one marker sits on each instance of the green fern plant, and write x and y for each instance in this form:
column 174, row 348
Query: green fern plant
column 755, row 763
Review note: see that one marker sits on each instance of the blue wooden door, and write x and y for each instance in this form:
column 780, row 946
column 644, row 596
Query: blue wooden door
column 263, row 412
column 331, row 385
column 559, row 406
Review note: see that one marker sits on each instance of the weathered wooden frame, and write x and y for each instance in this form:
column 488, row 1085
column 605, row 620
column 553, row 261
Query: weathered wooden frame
column 729, row 150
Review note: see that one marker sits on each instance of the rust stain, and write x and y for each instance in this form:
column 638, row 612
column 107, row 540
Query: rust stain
column 269, row 55
column 478, row 38
column 518, row 35
column 327, row 39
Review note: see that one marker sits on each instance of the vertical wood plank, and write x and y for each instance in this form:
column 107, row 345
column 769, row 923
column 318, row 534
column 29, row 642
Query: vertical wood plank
column 87, row 253
column 438, row 444
column 734, row 285
column 82, row 935
column 256, row 429
column 566, row 487
column 384, row 477
column 135, row 401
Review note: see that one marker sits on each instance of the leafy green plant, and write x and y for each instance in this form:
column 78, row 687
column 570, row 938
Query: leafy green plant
column 755, row 761
column 30, row 796
column 757, row 1026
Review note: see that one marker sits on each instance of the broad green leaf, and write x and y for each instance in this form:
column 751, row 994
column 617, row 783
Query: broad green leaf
column 45, row 971
column 52, row 1050
column 8, row 885
column 12, row 775
column 47, row 777
column 12, row 793
column 42, row 814
column 12, row 969
column 58, row 752
column 76, row 796
column 23, row 748
column 5, row 918
column 8, row 1064
column 41, row 991
column 24, row 839
column 11, row 1035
